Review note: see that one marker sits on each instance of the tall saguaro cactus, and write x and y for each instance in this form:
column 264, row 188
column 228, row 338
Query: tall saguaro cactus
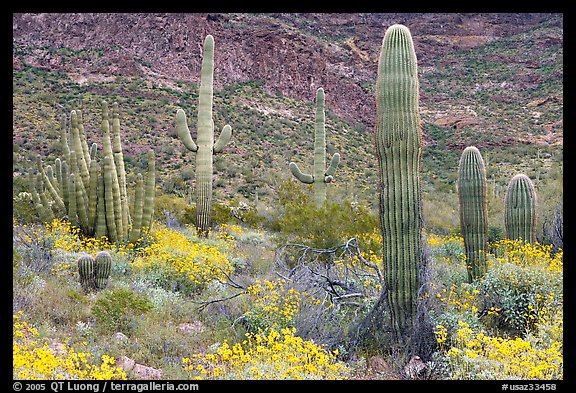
column 205, row 146
column 472, row 194
column 520, row 209
column 321, row 174
column 398, row 140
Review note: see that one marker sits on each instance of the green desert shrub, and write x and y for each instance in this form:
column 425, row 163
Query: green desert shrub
column 118, row 310
column 299, row 220
column 515, row 294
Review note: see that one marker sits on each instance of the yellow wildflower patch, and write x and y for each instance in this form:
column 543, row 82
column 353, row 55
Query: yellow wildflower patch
column 34, row 360
column 267, row 355
column 200, row 262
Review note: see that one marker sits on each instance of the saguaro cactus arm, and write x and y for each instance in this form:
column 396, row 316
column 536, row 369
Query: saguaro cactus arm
column 328, row 177
column 183, row 131
column 223, row 139
column 303, row 177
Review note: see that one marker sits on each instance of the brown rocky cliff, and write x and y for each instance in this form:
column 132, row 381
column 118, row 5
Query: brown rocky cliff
column 292, row 54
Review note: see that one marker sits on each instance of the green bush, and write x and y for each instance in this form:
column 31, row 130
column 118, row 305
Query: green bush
column 119, row 309
column 299, row 220
column 235, row 213
column 220, row 214
column 170, row 205
column 159, row 275
column 517, row 293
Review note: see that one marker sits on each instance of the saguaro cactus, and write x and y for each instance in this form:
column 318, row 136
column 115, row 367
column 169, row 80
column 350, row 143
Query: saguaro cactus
column 321, row 174
column 520, row 209
column 398, row 143
column 472, row 192
column 205, row 146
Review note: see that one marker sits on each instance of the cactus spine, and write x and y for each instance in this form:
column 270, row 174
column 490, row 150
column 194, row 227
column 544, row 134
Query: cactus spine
column 398, row 149
column 472, row 195
column 205, row 146
column 321, row 174
column 520, row 209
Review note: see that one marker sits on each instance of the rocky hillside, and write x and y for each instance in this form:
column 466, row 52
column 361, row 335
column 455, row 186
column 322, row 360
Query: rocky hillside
column 494, row 80
column 291, row 53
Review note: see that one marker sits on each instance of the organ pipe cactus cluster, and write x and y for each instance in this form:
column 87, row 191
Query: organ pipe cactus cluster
column 204, row 147
column 520, row 209
column 321, row 175
column 472, row 195
column 398, row 143
column 94, row 273
column 93, row 195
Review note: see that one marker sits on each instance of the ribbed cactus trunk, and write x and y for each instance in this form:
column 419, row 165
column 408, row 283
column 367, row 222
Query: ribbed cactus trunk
column 520, row 209
column 472, row 195
column 86, row 272
column 321, row 174
column 138, row 209
column 102, row 269
column 149, row 192
column 93, row 196
column 205, row 140
column 205, row 146
column 320, row 150
column 398, row 149
column 119, row 163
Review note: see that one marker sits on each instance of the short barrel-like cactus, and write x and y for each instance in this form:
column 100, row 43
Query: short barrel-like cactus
column 94, row 272
column 86, row 272
column 520, row 209
column 102, row 269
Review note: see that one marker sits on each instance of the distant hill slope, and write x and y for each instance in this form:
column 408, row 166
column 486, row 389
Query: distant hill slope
column 494, row 80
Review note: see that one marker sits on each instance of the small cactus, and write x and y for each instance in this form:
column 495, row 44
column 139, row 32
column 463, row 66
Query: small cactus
column 86, row 272
column 102, row 269
column 94, row 272
column 520, row 209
